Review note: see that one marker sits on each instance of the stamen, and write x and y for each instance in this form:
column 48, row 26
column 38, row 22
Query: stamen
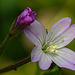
column 47, row 47
column 56, row 51
column 52, row 49
column 55, row 46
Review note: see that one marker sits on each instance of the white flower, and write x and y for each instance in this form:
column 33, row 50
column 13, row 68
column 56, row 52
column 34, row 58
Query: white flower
column 50, row 47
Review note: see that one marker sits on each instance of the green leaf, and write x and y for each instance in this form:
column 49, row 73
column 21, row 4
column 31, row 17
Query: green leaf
column 55, row 71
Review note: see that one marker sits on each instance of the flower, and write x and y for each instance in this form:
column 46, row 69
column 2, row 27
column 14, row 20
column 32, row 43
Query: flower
column 25, row 18
column 50, row 46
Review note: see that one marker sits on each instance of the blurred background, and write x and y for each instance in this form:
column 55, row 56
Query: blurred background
column 48, row 12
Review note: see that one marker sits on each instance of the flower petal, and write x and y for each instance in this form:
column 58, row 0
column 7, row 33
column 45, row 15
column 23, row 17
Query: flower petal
column 44, row 62
column 36, row 33
column 36, row 54
column 66, row 37
column 67, row 54
column 57, row 28
column 61, row 62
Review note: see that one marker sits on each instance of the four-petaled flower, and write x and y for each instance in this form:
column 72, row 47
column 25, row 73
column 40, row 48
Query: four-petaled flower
column 50, row 46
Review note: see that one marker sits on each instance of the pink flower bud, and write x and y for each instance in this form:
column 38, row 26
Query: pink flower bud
column 25, row 18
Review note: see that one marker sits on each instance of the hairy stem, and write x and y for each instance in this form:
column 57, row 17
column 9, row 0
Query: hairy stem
column 16, row 65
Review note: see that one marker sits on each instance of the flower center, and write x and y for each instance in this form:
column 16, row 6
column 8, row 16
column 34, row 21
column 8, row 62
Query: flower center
column 49, row 47
column 52, row 49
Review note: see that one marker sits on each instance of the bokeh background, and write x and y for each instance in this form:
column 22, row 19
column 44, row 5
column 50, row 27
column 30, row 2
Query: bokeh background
column 19, row 47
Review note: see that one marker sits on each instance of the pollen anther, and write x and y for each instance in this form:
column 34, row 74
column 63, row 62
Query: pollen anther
column 56, row 51
column 52, row 49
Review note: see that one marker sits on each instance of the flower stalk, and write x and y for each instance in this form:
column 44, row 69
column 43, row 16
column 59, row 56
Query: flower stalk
column 6, row 40
column 4, row 44
column 20, row 63
column 16, row 65
column 12, row 33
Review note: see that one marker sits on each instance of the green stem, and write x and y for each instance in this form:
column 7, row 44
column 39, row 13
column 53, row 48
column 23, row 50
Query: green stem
column 16, row 65
column 13, row 32
column 4, row 44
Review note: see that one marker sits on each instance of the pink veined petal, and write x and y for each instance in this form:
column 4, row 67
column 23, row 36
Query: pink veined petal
column 61, row 62
column 57, row 28
column 66, row 37
column 44, row 62
column 36, row 54
column 36, row 33
column 67, row 54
